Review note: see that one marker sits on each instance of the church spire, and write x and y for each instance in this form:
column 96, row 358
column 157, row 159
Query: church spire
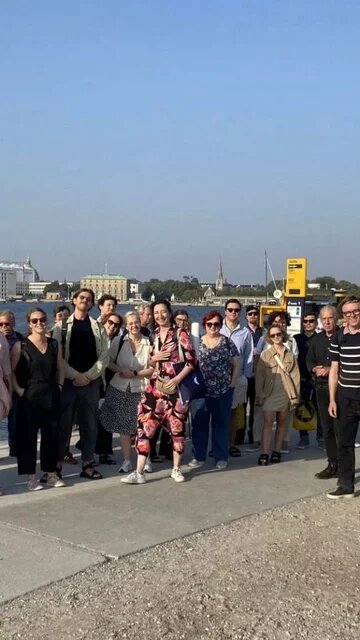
column 220, row 277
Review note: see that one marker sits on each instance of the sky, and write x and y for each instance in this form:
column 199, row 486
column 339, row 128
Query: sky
column 158, row 135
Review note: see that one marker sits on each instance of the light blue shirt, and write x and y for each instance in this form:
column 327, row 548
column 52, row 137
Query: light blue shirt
column 242, row 338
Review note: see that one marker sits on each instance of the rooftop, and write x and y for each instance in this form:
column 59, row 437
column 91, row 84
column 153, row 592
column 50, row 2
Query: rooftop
column 104, row 276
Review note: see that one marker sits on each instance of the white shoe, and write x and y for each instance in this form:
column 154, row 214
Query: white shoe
column 126, row 467
column 33, row 484
column 195, row 464
column 134, row 478
column 357, row 445
column 177, row 475
column 221, row 465
column 53, row 480
column 148, row 467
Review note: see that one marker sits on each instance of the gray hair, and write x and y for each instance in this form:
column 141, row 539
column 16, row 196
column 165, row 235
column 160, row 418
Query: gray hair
column 141, row 308
column 329, row 307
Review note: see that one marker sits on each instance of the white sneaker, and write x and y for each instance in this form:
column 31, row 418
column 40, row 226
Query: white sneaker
column 357, row 445
column 134, row 478
column 195, row 464
column 53, row 480
column 126, row 467
column 33, row 484
column 221, row 465
column 177, row 475
column 148, row 467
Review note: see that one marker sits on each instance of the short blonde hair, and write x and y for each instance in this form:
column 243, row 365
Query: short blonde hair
column 128, row 314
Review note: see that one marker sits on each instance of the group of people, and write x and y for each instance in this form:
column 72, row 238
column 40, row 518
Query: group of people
column 122, row 376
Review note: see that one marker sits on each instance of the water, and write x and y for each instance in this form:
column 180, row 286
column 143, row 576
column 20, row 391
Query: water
column 20, row 310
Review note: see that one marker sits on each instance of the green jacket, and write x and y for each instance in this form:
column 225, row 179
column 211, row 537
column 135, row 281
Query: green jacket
column 102, row 348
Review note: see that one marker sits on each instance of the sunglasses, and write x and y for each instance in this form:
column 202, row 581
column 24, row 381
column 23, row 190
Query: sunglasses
column 4, row 324
column 111, row 323
column 275, row 335
column 346, row 314
column 233, row 309
column 252, row 313
column 309, row 321
column 215, row 325
column 38, row 320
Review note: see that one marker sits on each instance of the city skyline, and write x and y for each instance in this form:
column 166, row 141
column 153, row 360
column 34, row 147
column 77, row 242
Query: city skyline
column 156, row 137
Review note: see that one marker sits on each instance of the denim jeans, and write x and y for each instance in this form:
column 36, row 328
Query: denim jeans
column 218, row 410
column 346, row 427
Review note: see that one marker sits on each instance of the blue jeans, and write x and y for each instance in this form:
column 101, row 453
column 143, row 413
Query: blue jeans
column 219, row 411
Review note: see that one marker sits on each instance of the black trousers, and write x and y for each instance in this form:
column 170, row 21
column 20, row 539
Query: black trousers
column 103, row 442
column 251, row 400
column 346, row 427
column 30, row 417
column 79, row 405
column 327, row 422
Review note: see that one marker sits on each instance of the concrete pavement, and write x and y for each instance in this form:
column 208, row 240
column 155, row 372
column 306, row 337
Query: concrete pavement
column 54, row 533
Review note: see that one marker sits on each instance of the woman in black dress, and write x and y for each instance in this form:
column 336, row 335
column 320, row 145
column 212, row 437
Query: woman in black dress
column 38, row 377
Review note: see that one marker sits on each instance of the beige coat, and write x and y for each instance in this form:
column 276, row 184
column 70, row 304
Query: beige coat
column 267, row 369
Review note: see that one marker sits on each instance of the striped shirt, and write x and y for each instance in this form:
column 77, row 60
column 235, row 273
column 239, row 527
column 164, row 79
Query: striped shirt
column 345, row 349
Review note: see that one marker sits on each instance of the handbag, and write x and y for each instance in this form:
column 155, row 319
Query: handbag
column 305, row 416
column 193, row 386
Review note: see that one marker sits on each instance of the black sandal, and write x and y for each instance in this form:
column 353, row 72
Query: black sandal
column 263, row 460
column 94, row 475
column 234, row 452
column 275, row 457
column 105, row 458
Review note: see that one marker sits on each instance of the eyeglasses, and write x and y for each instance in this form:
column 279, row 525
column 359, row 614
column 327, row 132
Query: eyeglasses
column 348, row 314
column 38, row 320
column 4, row 324
column 111, row 323
column 275, row 335
column 252, row 313
column 233, row 309
column 215, row 325
column 309, row 321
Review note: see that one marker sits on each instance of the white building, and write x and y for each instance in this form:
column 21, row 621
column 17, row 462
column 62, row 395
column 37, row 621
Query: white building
column 7, row 283
column 37, row 288
column 25, row 273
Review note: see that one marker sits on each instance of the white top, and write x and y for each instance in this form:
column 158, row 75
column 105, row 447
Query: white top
column 129, row 360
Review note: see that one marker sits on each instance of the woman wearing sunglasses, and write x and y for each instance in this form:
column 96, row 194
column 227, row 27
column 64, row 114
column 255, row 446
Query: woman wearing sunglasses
column 38, row 377
column 219, row 363
column 277, row 383
column 112, row 323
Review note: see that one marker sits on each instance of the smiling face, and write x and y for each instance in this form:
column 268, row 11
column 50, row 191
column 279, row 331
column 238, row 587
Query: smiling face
column 83, row 301
column 37, row 323
column 351, row 314
column 212, row 327
column 133, row 325
column 112, row 326
column 276, row 334
column 162, row 315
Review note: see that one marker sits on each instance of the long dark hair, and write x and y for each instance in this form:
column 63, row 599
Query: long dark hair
column 166, row 304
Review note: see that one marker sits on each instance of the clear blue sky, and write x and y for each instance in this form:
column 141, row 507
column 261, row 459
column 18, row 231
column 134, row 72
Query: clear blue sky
column 156, row 135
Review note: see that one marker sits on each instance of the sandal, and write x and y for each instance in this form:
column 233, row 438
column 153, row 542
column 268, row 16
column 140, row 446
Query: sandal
column 234, row 452
column 263, row 460
column 92, row 475
column 275, row 457
column 105, row 458
column 69, row 458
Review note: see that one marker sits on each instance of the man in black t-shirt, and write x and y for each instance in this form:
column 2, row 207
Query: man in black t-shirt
column 86, row 354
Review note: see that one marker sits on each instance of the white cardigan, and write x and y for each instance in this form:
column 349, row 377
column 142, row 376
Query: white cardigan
column 128, row 360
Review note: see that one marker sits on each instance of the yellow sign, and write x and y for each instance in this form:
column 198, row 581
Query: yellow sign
column 296, row 276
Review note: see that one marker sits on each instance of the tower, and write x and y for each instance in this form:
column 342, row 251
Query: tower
column 220, row 277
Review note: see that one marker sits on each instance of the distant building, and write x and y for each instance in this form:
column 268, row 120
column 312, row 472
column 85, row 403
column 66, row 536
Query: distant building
column 7, row 283
column 135, row 289
column 219, row 285
column 209, row 293
column 25, row 273
column 114, row 284
column 37, row 288
column 52, row 295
